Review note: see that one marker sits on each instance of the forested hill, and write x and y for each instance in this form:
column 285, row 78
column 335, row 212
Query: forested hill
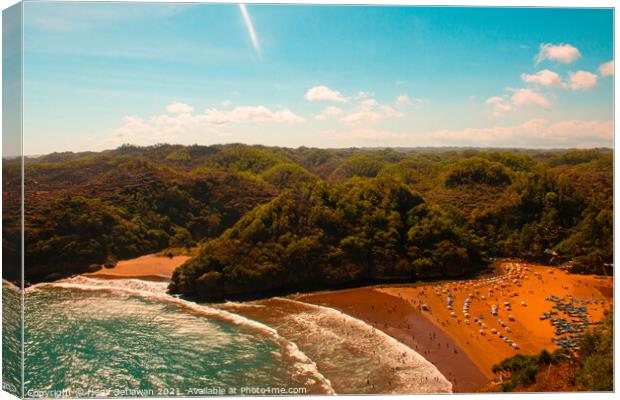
column 269, row 218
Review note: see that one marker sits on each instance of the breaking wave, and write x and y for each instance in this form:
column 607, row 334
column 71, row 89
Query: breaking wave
column 305, row 369
column 355, row 356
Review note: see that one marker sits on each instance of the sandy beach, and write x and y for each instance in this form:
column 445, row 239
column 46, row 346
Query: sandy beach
column 150, row 266
column 399, row 319
column 450, row 323
column 462, row 349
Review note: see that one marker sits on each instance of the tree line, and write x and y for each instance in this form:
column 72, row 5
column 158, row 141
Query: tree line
column 270, row 218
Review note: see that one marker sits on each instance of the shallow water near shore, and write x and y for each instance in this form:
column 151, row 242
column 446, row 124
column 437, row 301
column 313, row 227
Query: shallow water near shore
column 87, row 334
column 357, row 358
column 128, row 334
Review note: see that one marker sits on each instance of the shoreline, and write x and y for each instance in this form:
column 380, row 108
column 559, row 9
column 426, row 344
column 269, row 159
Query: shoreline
column 417, row 315
column 402, row 322
column 455, row 346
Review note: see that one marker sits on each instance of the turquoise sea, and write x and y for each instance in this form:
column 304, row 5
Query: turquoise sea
column 87, row 337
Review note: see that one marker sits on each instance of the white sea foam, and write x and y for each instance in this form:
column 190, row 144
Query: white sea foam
column 234, row 304
column 158, row 291
column 411, row 371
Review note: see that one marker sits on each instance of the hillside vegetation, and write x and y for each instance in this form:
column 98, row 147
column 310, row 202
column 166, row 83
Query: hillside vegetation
column 590, row 369
column 269, row 218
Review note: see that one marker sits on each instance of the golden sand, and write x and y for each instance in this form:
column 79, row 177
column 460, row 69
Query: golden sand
column 449, row 335
column 528, row 331
column 146, row 267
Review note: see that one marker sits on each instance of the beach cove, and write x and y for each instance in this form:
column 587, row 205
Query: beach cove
column 420, row 316
column 405, row 338
column 342, row 355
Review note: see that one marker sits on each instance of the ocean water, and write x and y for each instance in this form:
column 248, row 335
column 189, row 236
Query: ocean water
column 11, row 338
column 356, row 357
column 127, row 337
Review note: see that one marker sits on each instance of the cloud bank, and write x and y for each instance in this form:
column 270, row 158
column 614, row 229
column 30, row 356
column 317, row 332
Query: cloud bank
column 543, row 78
column 502, row 105
column 323, row 93
column 534, row 133
column 180, row 120
column 607, row 68
column 582, row 80
column 563, row 53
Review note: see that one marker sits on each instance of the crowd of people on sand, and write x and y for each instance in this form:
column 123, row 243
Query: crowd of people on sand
column 484, row 290
column 471, row 290
column 497, row 294
column 420, row 305
column 506, row 286
column 574, row 323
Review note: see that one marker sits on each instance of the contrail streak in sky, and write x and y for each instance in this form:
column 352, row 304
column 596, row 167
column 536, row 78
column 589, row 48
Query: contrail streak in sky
column 250, row 26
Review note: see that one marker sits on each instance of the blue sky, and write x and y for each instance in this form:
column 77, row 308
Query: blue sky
column 97, row 75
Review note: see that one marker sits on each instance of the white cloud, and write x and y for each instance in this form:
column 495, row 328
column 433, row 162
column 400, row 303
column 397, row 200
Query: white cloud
column 403, row 99
column 582, row 80
column 369, row 103
column 534, row 133
column 370, row 111
column 133, row 124
column 500, row 105
column 564, row 53
column 607, row 68
column 226, row 103
column 169, row 127
column 179, row 108
column 250, row 114
column 362, row 95
column 391, row 112
column 362, row 117
column 323, row 93
column 543, row 78
column 328, row 113
column 526, row 97
column 156, row 129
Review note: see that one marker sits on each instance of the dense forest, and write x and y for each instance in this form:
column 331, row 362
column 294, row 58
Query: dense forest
column 270, row 218
column 590, row 369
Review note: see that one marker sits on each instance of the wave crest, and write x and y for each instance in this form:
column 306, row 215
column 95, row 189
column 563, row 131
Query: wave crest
column 305, row 367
